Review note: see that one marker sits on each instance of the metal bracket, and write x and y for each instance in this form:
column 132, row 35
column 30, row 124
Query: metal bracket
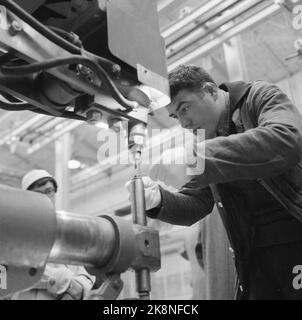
column 298, row 47
column 109, row 290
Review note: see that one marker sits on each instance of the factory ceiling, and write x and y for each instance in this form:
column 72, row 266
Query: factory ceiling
column 27, row 139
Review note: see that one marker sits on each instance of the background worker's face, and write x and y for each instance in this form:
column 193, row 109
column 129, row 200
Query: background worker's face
column 48, row 189
column 196, row 110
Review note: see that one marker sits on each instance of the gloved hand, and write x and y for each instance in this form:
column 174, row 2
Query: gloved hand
column 74, row 292
column 152, row 193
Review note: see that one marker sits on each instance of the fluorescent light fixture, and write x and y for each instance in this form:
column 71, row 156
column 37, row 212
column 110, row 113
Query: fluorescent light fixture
column 68, row 126
column 233, row 31
column 74, row 164
column 190, row 18
column 26, row 125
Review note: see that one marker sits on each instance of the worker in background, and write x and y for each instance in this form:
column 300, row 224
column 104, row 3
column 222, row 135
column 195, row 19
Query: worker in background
column 59, row 282
column 252, row 155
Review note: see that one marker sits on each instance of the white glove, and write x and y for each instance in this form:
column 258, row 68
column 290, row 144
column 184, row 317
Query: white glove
column 152, row 193
column 74, row 292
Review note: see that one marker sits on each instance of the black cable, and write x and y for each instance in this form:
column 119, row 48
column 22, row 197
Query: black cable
column 19, row 106
column 74, row 59
column 29, row 107
column 9, row 97
column 69, row 36
column 17, row 71
column 28, row 18
column 52, row 36
column 6, row 57
column 65, row 114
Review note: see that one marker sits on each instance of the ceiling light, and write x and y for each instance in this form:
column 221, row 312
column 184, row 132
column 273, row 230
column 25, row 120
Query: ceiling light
column 74, row 164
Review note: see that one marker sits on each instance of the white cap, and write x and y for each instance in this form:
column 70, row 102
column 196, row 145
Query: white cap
column 33, row 176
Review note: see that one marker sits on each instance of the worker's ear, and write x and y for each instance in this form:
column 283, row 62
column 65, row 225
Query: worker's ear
column 212, row 89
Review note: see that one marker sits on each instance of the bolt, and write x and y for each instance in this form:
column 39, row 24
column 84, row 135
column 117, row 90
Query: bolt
column 116, row 284
column 116, row 69
column 94, row 116
column 32, row 271
column 147, row 244
column 14, row 28
column 298, row 44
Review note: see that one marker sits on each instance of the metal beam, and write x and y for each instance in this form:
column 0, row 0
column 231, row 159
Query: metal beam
column 210, row 25
column 235, row 60
column 233, row 31
column 62, row 156
column 190, row 18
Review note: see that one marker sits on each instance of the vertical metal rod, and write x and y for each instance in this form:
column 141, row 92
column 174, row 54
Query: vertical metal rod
column 143, row 282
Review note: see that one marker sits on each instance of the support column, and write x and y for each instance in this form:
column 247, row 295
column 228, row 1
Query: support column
column 235, row 60
column 62, row 156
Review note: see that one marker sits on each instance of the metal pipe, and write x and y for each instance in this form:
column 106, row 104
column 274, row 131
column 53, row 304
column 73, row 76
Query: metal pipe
column 234, row 30
column 32, row 234
column 138, row 201
column 185, row 41
column 105, row 243
column 27, row 227
column 83, row 240
column 143, row 282
column 202, row 14
column 138, row 207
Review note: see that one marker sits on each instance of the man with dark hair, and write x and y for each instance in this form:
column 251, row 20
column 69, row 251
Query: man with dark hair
column 59, row 282
column 253, row 172
column 190, row 77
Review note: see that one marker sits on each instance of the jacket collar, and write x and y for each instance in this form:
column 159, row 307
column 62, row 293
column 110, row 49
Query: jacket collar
column 236, row 90
column 231, row 116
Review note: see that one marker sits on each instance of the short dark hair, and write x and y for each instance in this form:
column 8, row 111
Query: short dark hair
column 41, row 182
column 188, row 77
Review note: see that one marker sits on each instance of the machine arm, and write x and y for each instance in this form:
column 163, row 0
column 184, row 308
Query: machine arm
column 44, row 60
column 32, row 234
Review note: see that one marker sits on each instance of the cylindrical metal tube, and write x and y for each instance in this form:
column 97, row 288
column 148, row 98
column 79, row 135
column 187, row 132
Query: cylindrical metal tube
column 105, row 243
column 143, row 283
column 32, row 234
column 83, row 240
column 138, row 207
column 27, row 227
column 27, row 233
column 138, row 201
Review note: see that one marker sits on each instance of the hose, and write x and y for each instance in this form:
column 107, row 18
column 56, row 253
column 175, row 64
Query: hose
column 24, row 106
column 74, row 59
column 65, row 114
column 52, row 36
column 19, row 106
column 69, row 36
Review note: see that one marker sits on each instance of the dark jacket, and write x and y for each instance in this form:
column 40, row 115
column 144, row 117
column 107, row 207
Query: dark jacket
column 267, row 147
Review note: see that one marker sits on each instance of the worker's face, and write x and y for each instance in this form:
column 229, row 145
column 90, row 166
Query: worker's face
column 48, row 189
column 196, row 110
